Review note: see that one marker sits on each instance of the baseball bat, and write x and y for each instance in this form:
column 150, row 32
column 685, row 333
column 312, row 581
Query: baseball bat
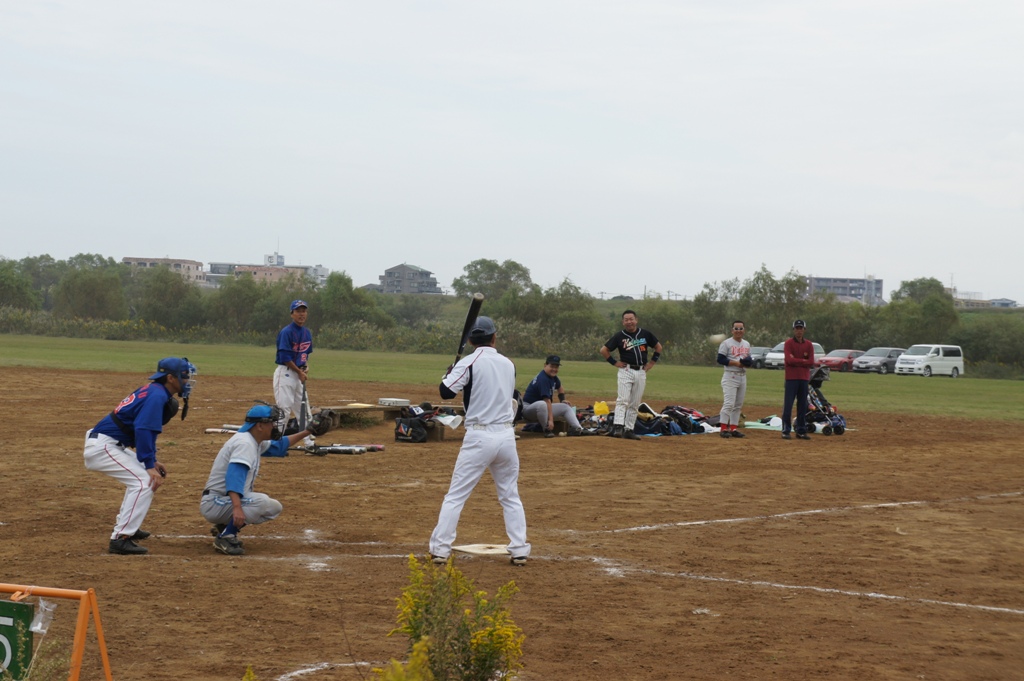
column 305, row 409
column 474, row 312
column 220, row 430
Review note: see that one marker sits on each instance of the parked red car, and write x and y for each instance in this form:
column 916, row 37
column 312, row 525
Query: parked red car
column 840, row 360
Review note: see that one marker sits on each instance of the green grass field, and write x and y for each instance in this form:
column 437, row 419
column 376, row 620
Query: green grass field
column 696, row 387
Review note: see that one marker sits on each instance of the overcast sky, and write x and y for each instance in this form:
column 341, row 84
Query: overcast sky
column 628, row 146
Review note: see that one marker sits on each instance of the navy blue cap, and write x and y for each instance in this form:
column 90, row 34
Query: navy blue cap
column 178, row 367
column 299, row 303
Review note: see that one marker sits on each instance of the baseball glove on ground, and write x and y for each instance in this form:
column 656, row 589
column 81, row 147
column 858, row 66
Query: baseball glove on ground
column 321, row 423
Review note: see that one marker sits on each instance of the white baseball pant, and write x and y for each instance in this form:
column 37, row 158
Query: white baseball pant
column 104, row 455
column 485, row 448
column 630, row 393
column 734, row 390
column 288, row 395
column 537, row 412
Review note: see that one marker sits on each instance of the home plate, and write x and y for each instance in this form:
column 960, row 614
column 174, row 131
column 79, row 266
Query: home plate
column 482, row 549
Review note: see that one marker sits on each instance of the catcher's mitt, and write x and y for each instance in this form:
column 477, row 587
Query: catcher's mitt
column 321, row 423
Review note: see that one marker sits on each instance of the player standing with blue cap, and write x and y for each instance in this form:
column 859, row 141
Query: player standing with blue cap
column 294, row 346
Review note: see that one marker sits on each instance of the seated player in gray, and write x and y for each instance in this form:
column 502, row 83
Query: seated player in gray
column 538, row 401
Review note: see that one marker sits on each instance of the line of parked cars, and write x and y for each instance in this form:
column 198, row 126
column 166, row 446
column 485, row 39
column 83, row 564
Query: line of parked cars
column 927, row 359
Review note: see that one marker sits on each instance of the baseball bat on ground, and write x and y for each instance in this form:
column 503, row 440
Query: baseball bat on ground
column 221, row 430
column 474, row 312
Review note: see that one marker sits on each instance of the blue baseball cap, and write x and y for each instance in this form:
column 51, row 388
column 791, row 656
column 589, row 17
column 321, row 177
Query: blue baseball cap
column 261, row 413
column 179, row 367
column 299, row 303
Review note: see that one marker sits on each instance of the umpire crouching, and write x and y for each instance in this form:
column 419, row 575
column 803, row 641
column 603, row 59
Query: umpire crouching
column 228, row 500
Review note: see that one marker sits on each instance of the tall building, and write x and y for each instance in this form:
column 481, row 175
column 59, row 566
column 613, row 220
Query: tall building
column 408, row 279
column 868, row 290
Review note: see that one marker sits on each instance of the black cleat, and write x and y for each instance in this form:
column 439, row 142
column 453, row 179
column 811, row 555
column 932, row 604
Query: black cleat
column 520, row 561
column 439, row 560
column 737, row 433
column 725, row 433
column 229, row 545
column 124, row 546
column 785, row 436
column 629, row 435
column 141, row 534
column 803, row 436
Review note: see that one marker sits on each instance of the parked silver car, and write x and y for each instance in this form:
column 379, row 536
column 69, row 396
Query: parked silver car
column 881, row 360
column 776, row 358
column 757, row 355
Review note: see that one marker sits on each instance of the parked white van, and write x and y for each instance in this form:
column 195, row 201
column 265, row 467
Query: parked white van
column 928, row 359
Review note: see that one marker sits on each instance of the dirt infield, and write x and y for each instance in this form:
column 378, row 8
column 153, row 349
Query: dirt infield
column 892, row 552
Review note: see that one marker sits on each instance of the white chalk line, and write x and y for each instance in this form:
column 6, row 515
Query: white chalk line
column 321, row 563
column 791, row 514
column 320, row 666
column 618, row 570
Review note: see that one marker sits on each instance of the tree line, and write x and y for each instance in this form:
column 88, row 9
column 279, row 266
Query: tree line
column 91, row 295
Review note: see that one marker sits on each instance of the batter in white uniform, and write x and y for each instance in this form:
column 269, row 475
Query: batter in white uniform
column 734, row 355
column 487, row 380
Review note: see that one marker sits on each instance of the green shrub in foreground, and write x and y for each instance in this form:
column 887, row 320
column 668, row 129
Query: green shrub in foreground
column 465, row 636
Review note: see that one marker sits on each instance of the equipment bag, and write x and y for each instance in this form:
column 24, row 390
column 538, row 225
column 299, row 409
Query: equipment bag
column 410, row 430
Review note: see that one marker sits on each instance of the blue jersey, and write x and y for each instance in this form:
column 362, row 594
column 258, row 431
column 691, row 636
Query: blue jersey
column 142, row 414
column 542, row 387
column 294, row 343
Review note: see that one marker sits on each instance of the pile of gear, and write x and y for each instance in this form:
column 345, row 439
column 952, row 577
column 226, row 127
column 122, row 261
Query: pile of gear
column 672, row 420
column 415, row 421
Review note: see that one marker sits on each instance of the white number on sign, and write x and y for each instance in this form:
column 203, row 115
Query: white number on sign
column 5, row 622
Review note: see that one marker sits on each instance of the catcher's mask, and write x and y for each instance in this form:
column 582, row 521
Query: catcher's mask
column 263, row 413
column 181, row 369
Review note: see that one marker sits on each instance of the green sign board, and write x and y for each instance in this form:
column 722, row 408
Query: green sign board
column 15, row 637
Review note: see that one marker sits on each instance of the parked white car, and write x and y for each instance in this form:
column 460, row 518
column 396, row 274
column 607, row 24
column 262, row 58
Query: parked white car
column 928, row 360
column 776, row 359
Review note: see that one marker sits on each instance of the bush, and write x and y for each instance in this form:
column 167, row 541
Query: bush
column 465, row 636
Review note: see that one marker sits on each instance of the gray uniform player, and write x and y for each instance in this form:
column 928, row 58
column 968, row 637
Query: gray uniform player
column 632, row 343
column 734, row 355
column 228, row 500
column 487, row 380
